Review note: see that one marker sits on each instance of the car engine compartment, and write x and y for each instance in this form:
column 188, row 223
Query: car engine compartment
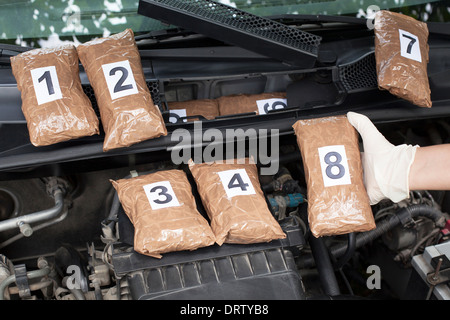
column 64, row 234
column 88, row 240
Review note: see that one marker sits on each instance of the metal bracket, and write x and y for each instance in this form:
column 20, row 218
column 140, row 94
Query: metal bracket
column 20, row 272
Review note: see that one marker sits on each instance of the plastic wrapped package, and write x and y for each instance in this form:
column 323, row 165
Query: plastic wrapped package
column 245, row 103
column 53, row 102
column 337, row 199
column 114, row 69
column 401, row 54
column 235, row 203
column 207, row 108
column 163, row 211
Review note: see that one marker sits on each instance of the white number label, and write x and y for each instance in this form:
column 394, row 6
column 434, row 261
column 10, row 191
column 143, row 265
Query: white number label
column 409, row 45
column 236, row 182
column 120, row 79
column 175, row 115
column 161, row 195
column 46, row 84
column 266, row 105
column 334, row 165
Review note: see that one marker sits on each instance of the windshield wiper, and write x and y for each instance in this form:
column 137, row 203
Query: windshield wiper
column 439, row 28
column 316, row 19
column 442, row 28
column 9, row 50
column 12, row 49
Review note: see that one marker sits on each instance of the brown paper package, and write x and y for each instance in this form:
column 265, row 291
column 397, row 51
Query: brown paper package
column 402, row 75
column 335, row 205
column 165, row 229
column 68, row 117
column 239, row 219
column 244, row 103
column 129, row 116
column 207, row 108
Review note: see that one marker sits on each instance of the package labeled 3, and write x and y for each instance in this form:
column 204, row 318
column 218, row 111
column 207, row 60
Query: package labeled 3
column 164, row 214
column 401, row 54
column 337, row 199
column 235, row 203
column 114, row 69
column 53, row 102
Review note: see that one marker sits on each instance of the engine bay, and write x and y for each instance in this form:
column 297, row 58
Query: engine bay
column 86, row 248
column 64, row 234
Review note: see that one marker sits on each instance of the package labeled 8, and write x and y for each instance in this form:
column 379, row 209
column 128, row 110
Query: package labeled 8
column 334, row 164
column 337, row 199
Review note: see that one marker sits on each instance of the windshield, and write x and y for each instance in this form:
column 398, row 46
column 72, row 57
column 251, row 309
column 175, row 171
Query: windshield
column 46, row 23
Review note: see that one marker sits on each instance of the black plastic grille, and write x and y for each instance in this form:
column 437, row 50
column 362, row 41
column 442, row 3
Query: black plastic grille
column 153, row 87
column 360, row 75
column 236, row 27
column 248, row 22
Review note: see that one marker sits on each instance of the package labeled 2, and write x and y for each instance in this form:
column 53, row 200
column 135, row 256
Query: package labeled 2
column 114, row 69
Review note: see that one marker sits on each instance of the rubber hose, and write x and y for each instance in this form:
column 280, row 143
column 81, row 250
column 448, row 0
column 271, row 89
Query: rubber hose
column 350, row 250
column 402, row 216
column 327, row 277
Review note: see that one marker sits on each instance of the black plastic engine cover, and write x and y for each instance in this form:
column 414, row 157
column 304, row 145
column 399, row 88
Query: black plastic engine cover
column 259, row 275
column 230, row 271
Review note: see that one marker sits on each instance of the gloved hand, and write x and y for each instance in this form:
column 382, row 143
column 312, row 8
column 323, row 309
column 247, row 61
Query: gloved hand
column 386, row 167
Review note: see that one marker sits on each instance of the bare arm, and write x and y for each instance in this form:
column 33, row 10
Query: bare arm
column 431, row 168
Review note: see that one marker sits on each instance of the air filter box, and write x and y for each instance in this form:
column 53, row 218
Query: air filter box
column 230, row 271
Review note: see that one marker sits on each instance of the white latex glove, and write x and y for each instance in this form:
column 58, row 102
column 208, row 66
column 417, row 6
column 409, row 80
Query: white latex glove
column 386, row 167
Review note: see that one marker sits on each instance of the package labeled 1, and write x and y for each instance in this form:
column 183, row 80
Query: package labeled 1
column 53, row 102
column 401, row 54
column 114, row 69
column 337, row 199
column 163, row 211
column 233, row 199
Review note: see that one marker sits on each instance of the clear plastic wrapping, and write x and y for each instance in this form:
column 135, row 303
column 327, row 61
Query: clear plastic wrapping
column 401, row 53
column 245, row 103
column 114, row 69
column 53, row 102
column 164, row 214
column 235, row 203
column 337, row 199
column 207, row 108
